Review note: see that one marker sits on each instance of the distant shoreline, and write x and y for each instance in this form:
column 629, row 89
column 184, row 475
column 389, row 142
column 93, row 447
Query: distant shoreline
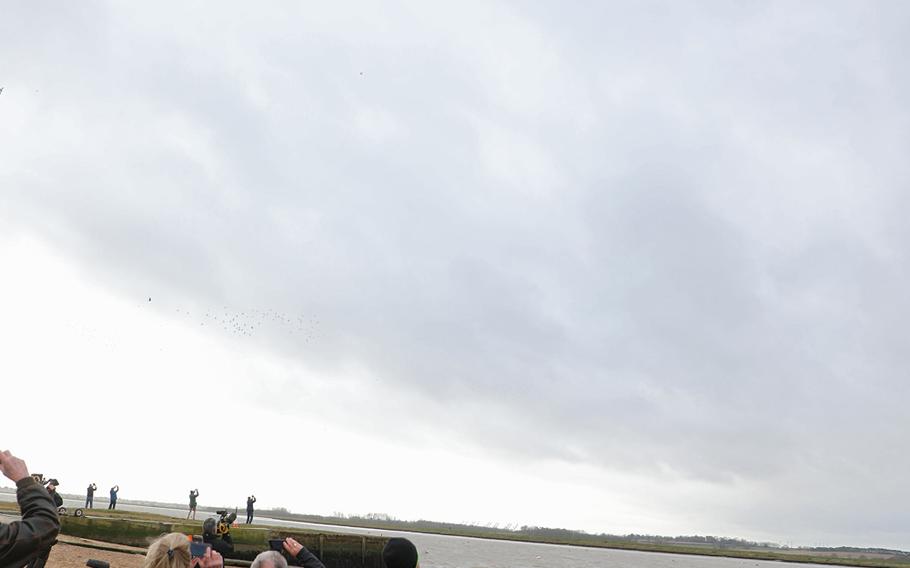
column 871, row 558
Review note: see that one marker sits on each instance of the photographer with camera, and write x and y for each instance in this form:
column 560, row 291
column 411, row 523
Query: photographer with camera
column 193, row 494
column 274, row 559
column 52, row 489
column 249, row 509
column 218, row 533
column 113, row 504
column 24, row 541
column 90, row 496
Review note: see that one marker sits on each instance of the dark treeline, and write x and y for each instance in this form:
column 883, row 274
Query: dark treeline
column 555, row 535
column 382, row 520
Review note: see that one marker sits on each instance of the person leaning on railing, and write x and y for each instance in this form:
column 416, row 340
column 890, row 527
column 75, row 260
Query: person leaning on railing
column 33, row 536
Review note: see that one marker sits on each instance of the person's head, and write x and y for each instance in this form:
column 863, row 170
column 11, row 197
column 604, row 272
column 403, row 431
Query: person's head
column 400, row 553
column 170, row 551
column 269, row 559
column 209, row 526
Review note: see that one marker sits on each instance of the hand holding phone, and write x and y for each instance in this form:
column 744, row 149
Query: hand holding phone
column 197, row 549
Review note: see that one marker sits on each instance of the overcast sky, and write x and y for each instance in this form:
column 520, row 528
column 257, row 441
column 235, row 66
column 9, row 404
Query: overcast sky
column 622, row 267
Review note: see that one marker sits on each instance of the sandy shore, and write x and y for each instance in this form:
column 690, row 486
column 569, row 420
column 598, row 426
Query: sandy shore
column 70, row 556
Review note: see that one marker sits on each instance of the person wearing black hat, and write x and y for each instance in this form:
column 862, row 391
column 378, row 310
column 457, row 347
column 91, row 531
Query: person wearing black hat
column 52, row 489
column 400, row 553
column 26, row 540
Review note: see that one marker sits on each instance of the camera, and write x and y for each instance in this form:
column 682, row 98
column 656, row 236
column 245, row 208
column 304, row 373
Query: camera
column 225, row 520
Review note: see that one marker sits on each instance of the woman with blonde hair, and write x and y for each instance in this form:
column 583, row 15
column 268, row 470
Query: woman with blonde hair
column 173, row 551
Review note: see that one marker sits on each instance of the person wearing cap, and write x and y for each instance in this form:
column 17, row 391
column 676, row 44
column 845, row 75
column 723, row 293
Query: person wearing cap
column 400, row 553
column 24, row 541
column 52, row 489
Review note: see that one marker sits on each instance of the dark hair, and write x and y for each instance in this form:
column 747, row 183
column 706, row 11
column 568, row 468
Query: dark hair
column 400, row 553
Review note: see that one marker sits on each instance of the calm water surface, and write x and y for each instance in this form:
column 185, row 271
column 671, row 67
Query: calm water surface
column 438, row 551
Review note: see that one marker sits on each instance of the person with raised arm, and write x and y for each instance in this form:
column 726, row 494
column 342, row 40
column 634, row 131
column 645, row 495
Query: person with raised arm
column 31, row 538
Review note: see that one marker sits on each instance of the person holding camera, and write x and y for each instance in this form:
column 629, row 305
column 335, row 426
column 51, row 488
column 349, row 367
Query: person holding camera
column 52, row 489
column 222, row 543
column 249, row 509
column 114, row 490
column 274, row 559
column 90, row 496
column 193, row 494
column 26, row 540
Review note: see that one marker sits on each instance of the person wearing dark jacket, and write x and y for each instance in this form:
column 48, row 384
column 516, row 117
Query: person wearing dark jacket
column 90, row 496
column 303, row 556
column 114, row 490
column 52, row 489
column 223, row 545
column 33, row 536
column 249, row 509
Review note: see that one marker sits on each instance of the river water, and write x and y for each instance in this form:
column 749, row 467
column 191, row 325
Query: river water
column 439, row 551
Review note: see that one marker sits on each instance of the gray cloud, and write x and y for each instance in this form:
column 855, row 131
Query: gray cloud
column 649, row 238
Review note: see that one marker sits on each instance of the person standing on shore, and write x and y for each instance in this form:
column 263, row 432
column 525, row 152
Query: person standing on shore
column 32, row 537
column 193, row 494
column 90, row 496
column 114, row 491
column 249, row 509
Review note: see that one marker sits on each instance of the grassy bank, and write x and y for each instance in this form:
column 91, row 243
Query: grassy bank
column 137, row 529
column 140, row 529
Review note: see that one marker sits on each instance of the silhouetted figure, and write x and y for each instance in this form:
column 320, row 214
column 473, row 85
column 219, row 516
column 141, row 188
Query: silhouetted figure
column 249, row 509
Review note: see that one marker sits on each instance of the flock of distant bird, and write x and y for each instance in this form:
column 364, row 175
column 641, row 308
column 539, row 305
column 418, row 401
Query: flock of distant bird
column 249, row 322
